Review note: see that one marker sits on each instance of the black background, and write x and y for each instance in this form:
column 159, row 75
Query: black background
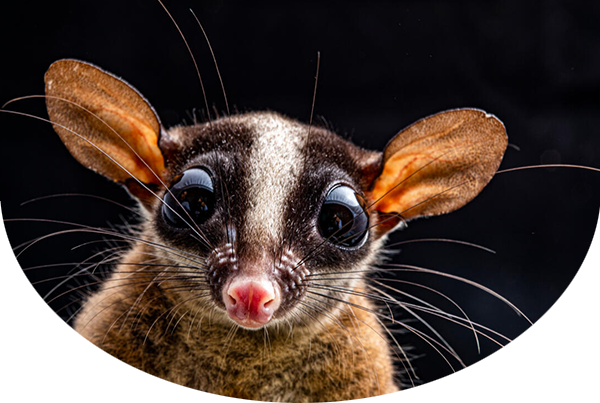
column 535, row 65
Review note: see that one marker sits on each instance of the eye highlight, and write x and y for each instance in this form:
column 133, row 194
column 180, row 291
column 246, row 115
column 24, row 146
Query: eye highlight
column 192, row 196
column 343, row 220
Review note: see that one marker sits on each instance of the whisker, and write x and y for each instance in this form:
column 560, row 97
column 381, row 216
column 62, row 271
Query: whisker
column 344, row 328
column 196, row 230
column 130, row 209
column 410, row 268
column 359, row 234
column 229, row 338
column 547, row 166
column 101, row 231
column 177, row 323
column 405, row 179
column 428, row 339
column 188, row 287
column 214, row 60
column 430, row 305
column 404, row 305
column 402, row 351
column 162, row 314
column 193, row 59
column 399, row 215
column 424, row 322
column 192, row 322
column 322, row 278
column 128, row 284
column 72, row 276
column 457, row 320
column 103, row 241
column 441, row 240
column 314, row 98
column 393, row 300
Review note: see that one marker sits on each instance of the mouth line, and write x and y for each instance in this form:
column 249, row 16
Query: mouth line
column 246, row 322
column 250, row 324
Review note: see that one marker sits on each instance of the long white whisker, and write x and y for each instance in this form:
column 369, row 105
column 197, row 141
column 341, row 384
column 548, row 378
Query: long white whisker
column 156, row 175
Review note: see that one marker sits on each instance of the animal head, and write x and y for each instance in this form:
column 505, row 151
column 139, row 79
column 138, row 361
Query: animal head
column 247, row 208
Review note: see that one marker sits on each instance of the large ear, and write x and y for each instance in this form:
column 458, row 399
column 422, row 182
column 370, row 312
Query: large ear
column 117, row 131
column 438, row 164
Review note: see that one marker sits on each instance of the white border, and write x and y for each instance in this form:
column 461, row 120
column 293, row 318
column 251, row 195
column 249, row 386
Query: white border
column 45, row 360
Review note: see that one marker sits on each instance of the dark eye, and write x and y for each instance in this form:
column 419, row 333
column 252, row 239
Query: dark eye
column 191, row 198
column 343, row 220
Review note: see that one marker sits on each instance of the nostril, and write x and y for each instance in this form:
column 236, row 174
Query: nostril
column 269, row 303
column 232, row 301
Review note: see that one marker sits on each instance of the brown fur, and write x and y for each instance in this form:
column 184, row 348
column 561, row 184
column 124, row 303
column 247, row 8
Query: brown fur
column 340, row 358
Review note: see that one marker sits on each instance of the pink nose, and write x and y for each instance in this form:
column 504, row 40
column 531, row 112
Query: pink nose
column 251, row 302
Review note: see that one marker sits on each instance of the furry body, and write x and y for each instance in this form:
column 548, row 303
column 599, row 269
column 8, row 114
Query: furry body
column 346, row 357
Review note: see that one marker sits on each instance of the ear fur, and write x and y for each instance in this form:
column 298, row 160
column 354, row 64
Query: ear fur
column 438, row 164
column 108, row 115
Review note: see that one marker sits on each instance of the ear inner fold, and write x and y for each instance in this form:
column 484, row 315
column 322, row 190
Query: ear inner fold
column 101, row 105
column 439, row 164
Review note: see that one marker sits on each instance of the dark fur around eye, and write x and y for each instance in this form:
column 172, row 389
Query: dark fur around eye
column 337, row 167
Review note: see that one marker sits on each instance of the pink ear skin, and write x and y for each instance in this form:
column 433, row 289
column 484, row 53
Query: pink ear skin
column 437, row 165
column 117, row 131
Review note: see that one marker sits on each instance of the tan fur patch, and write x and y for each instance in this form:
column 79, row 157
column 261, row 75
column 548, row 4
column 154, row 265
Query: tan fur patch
column 275, row 165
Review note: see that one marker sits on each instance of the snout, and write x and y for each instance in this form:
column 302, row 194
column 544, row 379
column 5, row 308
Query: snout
column 251, row 301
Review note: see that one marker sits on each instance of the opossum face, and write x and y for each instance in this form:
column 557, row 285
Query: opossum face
column 266, row 207
column 245, row 212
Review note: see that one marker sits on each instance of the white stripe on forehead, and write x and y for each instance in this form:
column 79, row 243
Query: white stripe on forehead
column 275, row 164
